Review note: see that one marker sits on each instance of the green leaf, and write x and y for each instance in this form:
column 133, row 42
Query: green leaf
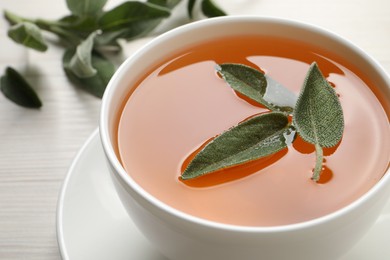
column 190, row 7
column 133, row 15
column 165, row 3
column 28, row 34
column 17, row 89
column 255, row 85
column 130, row 32
column 210, row 9
column 96, row 84
column 81, row 64
column 80, row 25
column 254, row 138
column 318, row 115
column 85, row 7
column 13, row 18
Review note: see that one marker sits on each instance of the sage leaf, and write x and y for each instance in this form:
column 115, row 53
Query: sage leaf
column 82, row 26
column 18, row 90
column 13, row 18
column 256, row 86
column 210, row 9
column 254, row 138
column 127, row 33
column 29, row 35
column 85, row 7
column 131, row 15
column 318, row 115
column 190, row 7
column 81, row 64
column 165, row 3
column 96, row 84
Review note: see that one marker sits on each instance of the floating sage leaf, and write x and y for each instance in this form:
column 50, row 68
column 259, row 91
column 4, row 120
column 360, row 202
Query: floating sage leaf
column 255, row 85
column 29, row 35
column 254, row 138
column 18, row 90
column 131, row 15
column 210, row 9
column 318, row 115
column 85, row 7
column 81, row 64
column 96, row 84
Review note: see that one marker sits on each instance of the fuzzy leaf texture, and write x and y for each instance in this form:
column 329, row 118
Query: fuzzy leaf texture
column 252, row 139
column 82, row 26
column 318, row 115
column 255, row 85
column 131, row 14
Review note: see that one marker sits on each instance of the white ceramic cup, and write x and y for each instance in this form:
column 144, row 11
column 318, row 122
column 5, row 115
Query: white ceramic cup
column 180, row 236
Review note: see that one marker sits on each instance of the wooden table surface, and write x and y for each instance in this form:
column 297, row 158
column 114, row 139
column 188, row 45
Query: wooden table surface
column 38, row 146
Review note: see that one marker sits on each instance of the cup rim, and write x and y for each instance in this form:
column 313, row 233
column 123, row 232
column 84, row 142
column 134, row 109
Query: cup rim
column 153, row 201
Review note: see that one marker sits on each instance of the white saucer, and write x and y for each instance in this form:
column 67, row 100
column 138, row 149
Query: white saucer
column 92, row 224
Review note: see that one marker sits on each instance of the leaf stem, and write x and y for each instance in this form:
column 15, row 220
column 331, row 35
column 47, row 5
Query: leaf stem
column 319, row 161
column 50, row 26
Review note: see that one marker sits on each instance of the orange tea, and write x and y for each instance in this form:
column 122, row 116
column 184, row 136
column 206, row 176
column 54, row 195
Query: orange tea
column 182, row 103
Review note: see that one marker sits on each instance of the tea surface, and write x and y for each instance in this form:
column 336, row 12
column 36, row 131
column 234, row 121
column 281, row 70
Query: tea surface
column 183, row 103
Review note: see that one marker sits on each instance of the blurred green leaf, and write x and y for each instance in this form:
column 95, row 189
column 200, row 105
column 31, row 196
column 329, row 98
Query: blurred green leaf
column 165, row 3
column 96, row 84
column 13, row 18
column 129, row 20
column 18, row 90
column 80, row 25
column 190, row 7
column 131, row 14
column 318, row 115
column 29, row 35
column 210, row 9
column 85, row 7
column 81, row 64
column 257, row 86
column 130, row 32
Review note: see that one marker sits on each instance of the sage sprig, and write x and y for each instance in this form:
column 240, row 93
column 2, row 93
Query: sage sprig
column 317, row 117
column 90, row 31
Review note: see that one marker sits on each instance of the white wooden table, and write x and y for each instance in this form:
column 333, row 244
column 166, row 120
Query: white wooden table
column 37, row 146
